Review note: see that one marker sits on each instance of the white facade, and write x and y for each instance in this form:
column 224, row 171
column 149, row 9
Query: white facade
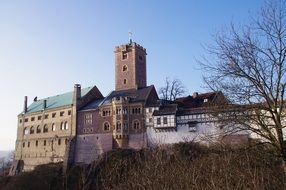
column 193, row 127
column 149, row 115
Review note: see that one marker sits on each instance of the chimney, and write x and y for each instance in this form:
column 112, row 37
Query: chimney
column 44, row 104
column 195, row 94
column 25, row 104
column 76, row 93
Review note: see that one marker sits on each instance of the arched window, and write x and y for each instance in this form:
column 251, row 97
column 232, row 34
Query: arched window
column 106, row 126
column 136, row 125
column 124, row 68
column 32, row 130
column 124, row 81
column 53, row 127
column 118, row 126
column 39, row 130
column 66, row 125
column 26, row 131
column 45, row 129
column 62, row 126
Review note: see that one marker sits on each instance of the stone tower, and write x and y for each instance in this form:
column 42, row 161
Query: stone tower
column 130, row 67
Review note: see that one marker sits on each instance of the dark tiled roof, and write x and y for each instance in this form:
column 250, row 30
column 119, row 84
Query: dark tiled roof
column 56, row 101
column 201, row 100
column 135, row 95
column 93, row 105
column 167, row 109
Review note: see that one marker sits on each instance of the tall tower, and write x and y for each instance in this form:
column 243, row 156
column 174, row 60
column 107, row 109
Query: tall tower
column 130, row 66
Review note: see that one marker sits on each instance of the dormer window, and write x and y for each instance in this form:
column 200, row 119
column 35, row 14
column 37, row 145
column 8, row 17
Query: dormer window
column 124, row 68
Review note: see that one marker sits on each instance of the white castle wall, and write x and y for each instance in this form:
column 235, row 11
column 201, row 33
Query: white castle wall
column 205, row 133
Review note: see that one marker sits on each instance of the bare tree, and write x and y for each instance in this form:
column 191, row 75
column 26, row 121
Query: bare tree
column 248, row 65
column 172, row 89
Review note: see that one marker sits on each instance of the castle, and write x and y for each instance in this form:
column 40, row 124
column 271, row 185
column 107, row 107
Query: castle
column 78, row 126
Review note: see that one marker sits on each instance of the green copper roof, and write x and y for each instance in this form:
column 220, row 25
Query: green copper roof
column 56, row 101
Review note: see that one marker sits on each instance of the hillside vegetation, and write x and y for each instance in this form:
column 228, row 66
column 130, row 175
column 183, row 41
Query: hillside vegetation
column 180, row 166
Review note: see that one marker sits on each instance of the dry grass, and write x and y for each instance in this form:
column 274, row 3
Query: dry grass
column 181, row 166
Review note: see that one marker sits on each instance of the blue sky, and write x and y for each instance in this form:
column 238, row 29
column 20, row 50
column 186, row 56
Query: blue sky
column 47, row 46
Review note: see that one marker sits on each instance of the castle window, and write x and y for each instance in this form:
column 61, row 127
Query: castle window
column 62, row 113
column 45, row 142
column 36, row 143
column 159, row 121
column 125, row 81
column 165, row 120
column 125, row 126
column 62, row 126
column 106, row 113
column 125, row 111
column 26, row 131
column 20, row 121
column 23, row 144
column 140, row 57
column 106, row 126
column 46, row 116
column 66, row 141
column 69, row 112
column 124, row 55
column 32, row 131
column 136, row 125
column 45, row 129
column 136, row 110
column 59, row 141
column 118, row 111
column 53, row 127
column 53, row 115
column 124, row 68
column 66, row 125
column 39, row 117
column 88, row 119
column 38, row 129
column 28, row 144
column 118, row 126
column 26, row 120
column 32, row 118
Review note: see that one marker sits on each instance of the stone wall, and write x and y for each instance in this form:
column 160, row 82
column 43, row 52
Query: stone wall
column 90, row 146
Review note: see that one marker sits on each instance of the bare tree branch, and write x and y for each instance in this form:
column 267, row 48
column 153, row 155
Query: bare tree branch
column 250, row 70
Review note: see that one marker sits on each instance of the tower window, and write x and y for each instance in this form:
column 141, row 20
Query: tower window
column 140, row 57
column 106, row 126
column 124, row 55
column 124, row 81
column 124, row 68
column 136, row 125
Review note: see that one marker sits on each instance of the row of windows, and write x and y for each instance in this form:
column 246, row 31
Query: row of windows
column 46, row 116
column 118, row 127
column 45, row 129
column 120, row 111
column 135, row 125
column 165, row 120
column 197, row 116
column 44, row 143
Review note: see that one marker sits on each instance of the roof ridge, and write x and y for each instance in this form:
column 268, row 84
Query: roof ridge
column 62, row 94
